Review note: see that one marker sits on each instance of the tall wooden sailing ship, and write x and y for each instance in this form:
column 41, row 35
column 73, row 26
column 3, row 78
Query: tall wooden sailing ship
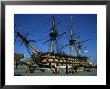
column 53, row 57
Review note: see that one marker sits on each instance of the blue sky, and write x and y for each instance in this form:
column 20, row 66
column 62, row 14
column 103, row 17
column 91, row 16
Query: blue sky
column 38, row 25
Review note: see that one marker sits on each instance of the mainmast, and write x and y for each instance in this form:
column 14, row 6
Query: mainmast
column 53, row 34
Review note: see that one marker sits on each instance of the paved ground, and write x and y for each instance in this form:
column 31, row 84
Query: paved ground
column 22, row 71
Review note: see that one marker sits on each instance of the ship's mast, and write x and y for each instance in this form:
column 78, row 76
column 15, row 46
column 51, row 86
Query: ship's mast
column 53, row 34
column 79, row 45
column 71, row 40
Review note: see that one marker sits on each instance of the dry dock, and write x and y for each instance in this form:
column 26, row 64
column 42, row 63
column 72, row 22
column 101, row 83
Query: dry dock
column 21, row 71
